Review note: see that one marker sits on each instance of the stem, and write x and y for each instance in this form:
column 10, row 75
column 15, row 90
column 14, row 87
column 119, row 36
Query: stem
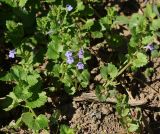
column 30, row 110
column 34, row 131
column 120, row 72
column 124, row 68
column 65, row 67
column 83, row 20
column 65, row 17
column 76, row 80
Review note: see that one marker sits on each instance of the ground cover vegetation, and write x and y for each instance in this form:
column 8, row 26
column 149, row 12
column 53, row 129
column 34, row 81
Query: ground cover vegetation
column 51, row 47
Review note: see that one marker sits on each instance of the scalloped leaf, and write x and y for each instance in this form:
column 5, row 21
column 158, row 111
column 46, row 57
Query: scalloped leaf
column 9, row 2
column 80, row 6
column 64, row 129
column 42, row 121
column 35, row 123
column 22, row 3
column 133, row 127
column 140, row 61
column 89, row 23
column 14, row 33
column 10, row 102
column 28, row 119
column 22, row 92
column 37, row 101
column 109, row 71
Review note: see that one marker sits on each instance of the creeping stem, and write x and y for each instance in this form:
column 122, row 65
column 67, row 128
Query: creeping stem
column 120, row 72
column 124, row 68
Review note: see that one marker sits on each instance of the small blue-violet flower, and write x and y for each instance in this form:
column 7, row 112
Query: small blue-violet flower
column 12, row 53
column 80, row 53
column 80, row 65
column 69, row 7
column 149, row 47
column 70, row 60
column 68, row 54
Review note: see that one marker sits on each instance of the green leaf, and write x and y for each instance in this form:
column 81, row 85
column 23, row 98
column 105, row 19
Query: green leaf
column 66, row 130
column 14, row 32
column 70, row 90
column 50, row 1
column 133, row 127
column 28, row 119
column 22, row 92
column 155, row 24
column 10, row 2
column 67, row 80
column 37, row 101
column 80, row 6
column 35, row 123
column 149, row 11
column 104, row 72
column 105, row 20
column 138, row 24
column 148, row 72
column 134, row 41
column 101, row 93
column 42, row 24
column 7, row 77
column 42, row 121
column 140, row 61
column 10, row 102
column 84, row 84
column 89, row 23
column 155, row 54
column 147, row 40
column 56, row 70
column 22, row 3
column 125, row 112
column 112, row 70
column 84, row 76
column 52, row 52
column 18, row 73
column 97, row 34
column 121, row 20
column 109, row 71
column 32, row 79
column 18, row 123
column 55, row 116
column 156, row 9
column 54, row 48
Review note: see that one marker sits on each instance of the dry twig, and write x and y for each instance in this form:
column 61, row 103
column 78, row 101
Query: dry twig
column 92, row 97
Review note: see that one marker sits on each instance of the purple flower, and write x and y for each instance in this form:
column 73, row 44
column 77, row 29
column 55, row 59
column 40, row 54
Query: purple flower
column 80, row 65
column 68, row 54
column 80, row 53
column 149, row 47
column 12, row 53
column 69, row 7
column 70, row 60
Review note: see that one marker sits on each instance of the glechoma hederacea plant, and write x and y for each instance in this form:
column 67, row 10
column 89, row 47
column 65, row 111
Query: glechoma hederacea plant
column 51, row 39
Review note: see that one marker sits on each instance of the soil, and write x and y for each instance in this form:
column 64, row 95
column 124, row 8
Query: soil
column 93, row 117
